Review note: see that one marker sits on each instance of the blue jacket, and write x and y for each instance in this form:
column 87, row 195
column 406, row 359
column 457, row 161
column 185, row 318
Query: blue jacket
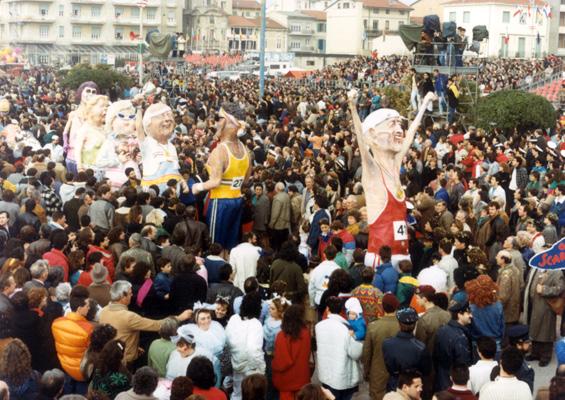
column 488, row 321
column 403, row 352
column 442, row 194
column 452, row 346
column 359, row 327
column 386, row 278
column 440, row 83
column 162, row 284
column 559, row 210
column 315, row 230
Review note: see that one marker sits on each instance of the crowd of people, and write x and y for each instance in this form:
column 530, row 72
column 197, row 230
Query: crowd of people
column 118, row 292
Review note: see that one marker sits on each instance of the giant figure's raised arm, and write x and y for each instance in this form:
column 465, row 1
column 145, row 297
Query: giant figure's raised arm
column 352, row 97
column 411, row 132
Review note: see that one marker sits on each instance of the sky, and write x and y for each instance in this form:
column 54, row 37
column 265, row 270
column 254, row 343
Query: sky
column 408, row 1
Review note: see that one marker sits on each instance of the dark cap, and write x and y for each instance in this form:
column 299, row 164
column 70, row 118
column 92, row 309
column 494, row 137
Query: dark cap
column 458, row 306
column 390, row 302
column 407, row 316
column 425, row 290
column 518, row 334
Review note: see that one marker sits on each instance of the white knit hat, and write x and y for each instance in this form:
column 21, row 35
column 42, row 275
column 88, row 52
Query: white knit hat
column 378, row 117
column 353, row 304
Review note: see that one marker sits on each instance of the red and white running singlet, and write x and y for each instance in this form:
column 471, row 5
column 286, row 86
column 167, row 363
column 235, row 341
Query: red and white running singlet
column 390, row 227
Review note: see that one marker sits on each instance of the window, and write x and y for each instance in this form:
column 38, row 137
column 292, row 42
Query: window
column 76, row 11
column 77, row 32
column 151, row 13
column 95, row 11
column 387, row 25
column 311, row 63
column 562, row 19
column 307, row 42
column 387, row 11
column 295, row 45
column 401, row 12
column 119, row 34
column 561, row 44
column 171, row 3
column 295, row 28
column 466, row 16
column 211, row 20
column 375, row 25
column 345, row 6
column 95, row 33
column 61, row 10
column 453, row 16
column 43, row 10
column 61, row 31
column 506, row 17
column 43, row 31
column 43, row 58
column 118, row 12
column 135, row 12
column 171, row 17
column 521, row 47
column 279, row 43
column 321, row 45
column 365, row 23
column 321, row 27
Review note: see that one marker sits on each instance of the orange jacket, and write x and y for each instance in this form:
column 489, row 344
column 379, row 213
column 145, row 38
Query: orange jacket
column 72, row 336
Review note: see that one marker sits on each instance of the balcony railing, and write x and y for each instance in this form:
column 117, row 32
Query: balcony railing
column 34, row 18
column 87, row 20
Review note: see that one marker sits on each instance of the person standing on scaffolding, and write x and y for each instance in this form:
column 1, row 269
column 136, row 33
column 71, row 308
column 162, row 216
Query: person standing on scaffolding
column 460, row 46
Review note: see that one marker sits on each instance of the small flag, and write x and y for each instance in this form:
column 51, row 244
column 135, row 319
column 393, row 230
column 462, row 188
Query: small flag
column 547, row 10
column 518, row 12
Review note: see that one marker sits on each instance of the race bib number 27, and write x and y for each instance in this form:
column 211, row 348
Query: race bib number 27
column 236, row 183
column 400, row 230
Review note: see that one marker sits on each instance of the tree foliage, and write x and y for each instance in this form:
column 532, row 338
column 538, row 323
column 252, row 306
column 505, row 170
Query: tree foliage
column 509, row 109
column 104, row 76
column 397, row 99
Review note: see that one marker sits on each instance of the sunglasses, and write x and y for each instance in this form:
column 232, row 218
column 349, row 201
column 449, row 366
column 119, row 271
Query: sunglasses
column 90, row 91
column 126, row 116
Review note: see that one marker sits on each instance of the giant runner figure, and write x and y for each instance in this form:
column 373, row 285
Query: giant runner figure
column 383, row 143
column 229, row 169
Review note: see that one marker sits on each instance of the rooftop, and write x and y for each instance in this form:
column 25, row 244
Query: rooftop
column 392, row 4
column 246, row 4
column 318, row 15
column 524, row 3
column 237, row 21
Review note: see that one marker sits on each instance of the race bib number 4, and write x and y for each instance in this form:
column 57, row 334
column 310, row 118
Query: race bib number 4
column 400, row 230
column 237, row 183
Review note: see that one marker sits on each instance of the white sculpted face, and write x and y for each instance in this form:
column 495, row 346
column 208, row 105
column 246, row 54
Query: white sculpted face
column 96, row 108
column 161, row 126
column 124, row 123
column 87, row 93
column 388, row 135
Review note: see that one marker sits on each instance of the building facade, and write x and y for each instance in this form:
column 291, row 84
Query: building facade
column 516, row 28
column 206, row 24
column 557, row 28
column 247, row 8
column 354, row 25
column 297, row 5
column 306, row 30
column 243, row 35
column 421, row 8
column 68, row 32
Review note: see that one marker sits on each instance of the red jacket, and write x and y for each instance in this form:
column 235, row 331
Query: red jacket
column 291, row 369
column 56, row 258
column 107, row 260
